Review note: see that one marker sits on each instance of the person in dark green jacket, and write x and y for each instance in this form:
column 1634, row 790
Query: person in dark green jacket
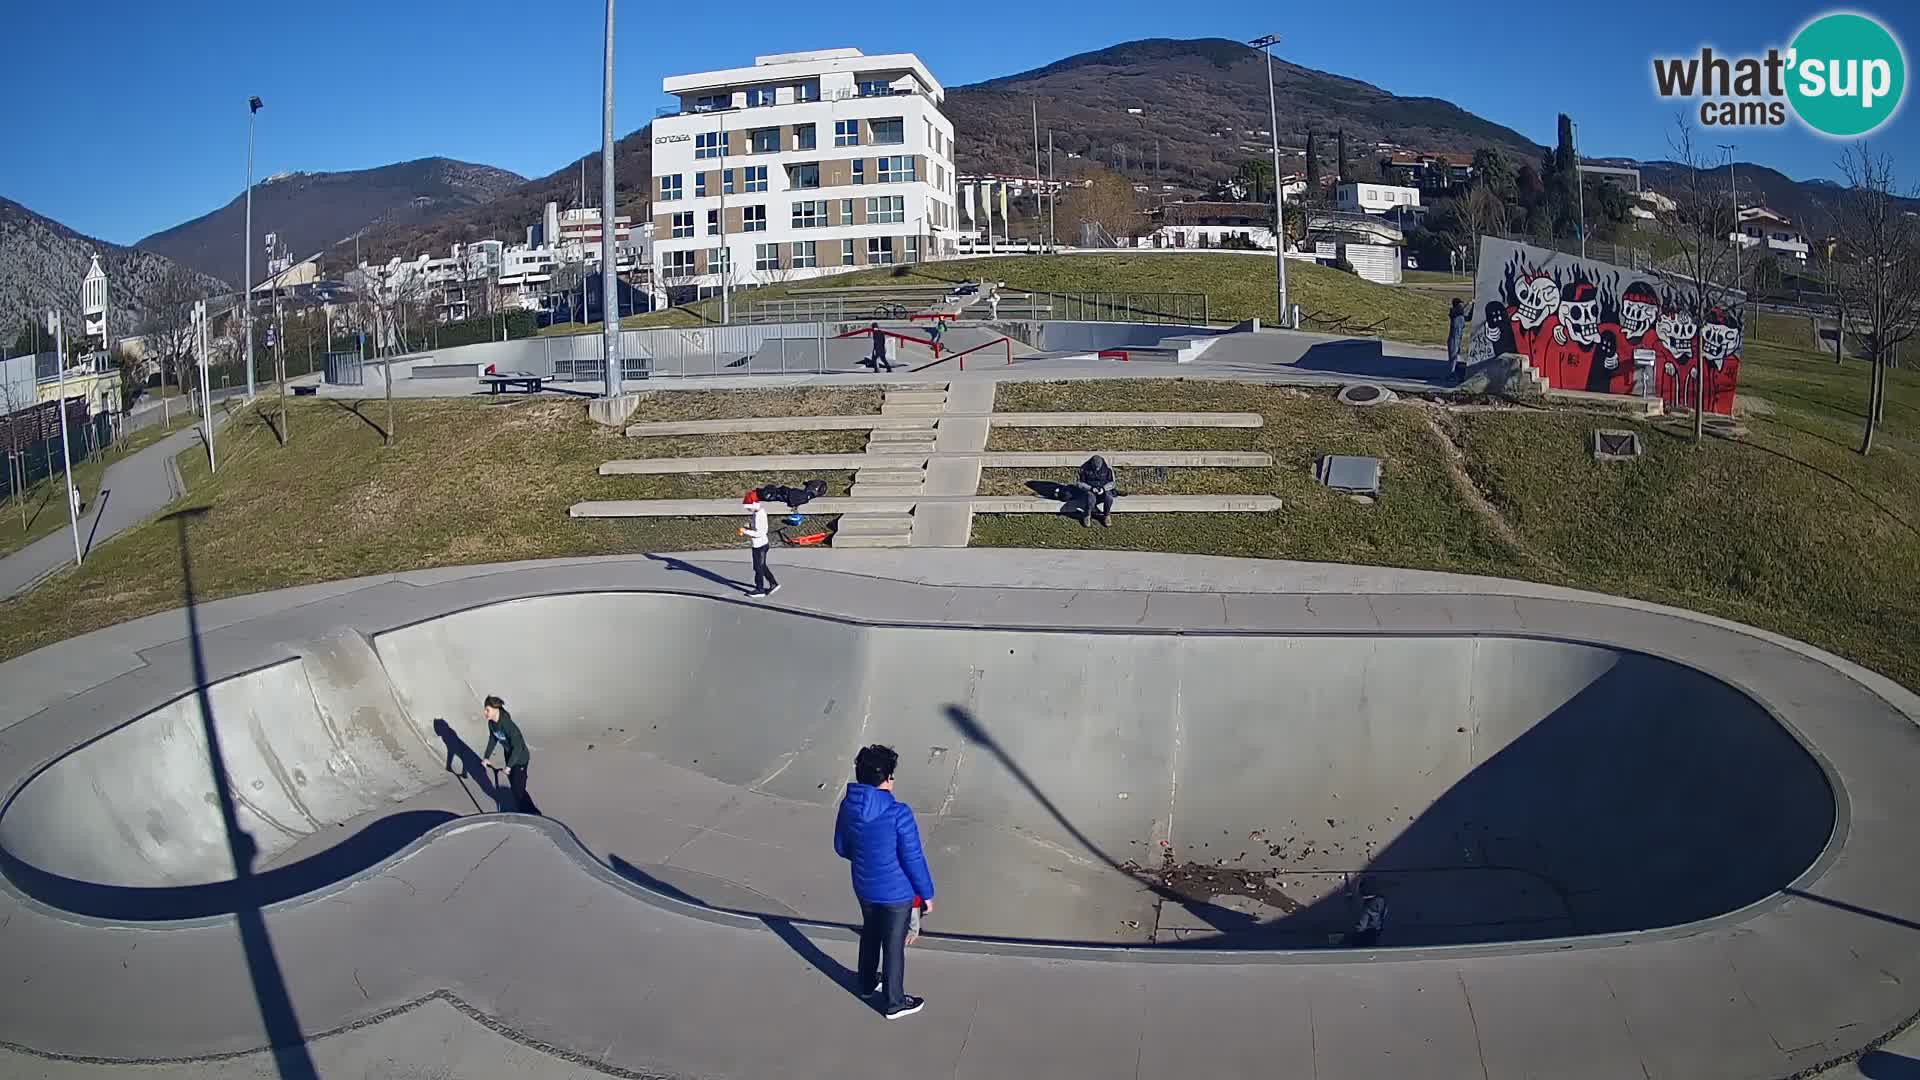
column 504, row 733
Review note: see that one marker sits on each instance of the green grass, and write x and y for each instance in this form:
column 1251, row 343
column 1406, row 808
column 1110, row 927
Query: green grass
column 41, row 508
column 1237, row 287
column 1787, row 529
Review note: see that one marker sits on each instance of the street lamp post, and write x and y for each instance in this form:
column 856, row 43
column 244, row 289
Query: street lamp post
column 1265, row 44
column 246, row 287
column 1580, row 184
column 1733, row 182
column 66, row 451
column 609, row 279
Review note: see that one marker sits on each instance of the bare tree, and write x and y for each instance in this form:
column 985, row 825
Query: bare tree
column 1482, row 212
column 1700, row 225
column 13, row 398
column 1109, row 205
column 1877, row 267
column 403, row 296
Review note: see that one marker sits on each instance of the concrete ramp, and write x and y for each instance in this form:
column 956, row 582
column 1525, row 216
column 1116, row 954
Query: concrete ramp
column 1116, row 788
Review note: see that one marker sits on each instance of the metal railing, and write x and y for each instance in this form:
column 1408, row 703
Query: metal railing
column 1182, row 309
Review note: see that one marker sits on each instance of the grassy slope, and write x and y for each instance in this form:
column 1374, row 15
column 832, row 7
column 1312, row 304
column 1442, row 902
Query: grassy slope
column 1790, row 529
column 1237, row 286
column 45, row 501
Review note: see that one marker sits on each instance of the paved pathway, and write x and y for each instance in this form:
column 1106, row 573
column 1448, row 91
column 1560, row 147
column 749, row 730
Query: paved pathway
column 133, row 489
column 500, row 937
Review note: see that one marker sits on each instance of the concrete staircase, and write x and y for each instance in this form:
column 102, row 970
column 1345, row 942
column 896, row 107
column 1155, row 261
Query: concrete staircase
column 887, row 477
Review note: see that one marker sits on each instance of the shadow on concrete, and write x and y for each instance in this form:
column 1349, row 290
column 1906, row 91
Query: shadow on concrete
column 686, row 567
column 284, row 1036
column 1366, row 358
column 782, row 926
column 1855, row 909
column 471, row 767
column 99, row 511
column 1881, row 1065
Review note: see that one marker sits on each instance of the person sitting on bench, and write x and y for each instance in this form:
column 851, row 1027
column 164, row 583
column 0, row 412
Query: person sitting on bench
column 1095, row 490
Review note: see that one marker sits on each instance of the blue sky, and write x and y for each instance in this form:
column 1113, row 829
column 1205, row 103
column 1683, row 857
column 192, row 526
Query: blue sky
column 352, row 84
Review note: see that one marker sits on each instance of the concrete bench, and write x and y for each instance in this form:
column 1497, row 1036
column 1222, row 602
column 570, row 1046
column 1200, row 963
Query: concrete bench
column 443, row 371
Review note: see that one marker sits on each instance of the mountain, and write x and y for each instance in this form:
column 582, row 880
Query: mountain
column 1810, row 203
column 1203, row 102
column 43, row 261
column 507, row 215
column 312, row 211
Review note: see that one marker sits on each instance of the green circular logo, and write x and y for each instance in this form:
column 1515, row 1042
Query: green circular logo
column 1848, row 74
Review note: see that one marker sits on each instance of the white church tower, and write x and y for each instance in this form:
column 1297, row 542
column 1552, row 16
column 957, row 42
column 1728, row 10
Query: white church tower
column 93, row 303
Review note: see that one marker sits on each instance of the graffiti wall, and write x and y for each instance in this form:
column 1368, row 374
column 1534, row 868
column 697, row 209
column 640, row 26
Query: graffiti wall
column 1588, row 325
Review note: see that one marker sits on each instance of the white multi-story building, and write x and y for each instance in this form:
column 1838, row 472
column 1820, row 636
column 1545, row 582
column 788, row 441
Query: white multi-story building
column 804, row 164
column 1761, row 227
column 1374, row 198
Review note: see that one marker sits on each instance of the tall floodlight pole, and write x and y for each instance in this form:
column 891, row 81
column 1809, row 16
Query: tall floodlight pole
column 1739, row 240
column 206, row 396
column 609, row 279
column 246, row 287
column 1038, row 221
column 1265, row 44
column 726, row 257
column 66, row 452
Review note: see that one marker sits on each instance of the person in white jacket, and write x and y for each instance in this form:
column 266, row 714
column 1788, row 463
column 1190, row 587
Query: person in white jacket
column 756, row 534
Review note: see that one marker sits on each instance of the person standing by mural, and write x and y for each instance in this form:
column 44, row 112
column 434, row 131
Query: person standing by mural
column 1456, row 330
column 1720, row 356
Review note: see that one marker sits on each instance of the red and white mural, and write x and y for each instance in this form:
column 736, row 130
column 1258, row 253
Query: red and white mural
column 1593, row 326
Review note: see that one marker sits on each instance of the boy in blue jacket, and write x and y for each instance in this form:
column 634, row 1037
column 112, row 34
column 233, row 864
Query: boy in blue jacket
column 878, row 835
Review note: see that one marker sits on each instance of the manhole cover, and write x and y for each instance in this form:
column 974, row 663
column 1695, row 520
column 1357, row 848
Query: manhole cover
column 1615, row 445
column 1365, row 394
column 1353, row 475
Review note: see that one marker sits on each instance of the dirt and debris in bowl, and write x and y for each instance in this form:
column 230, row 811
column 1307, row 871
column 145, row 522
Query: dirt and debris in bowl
column 1202, row 883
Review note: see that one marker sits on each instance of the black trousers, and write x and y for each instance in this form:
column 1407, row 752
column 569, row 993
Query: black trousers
column 762, row 577
column 1096, row 502
column 516, row 800
column 884, row 930
column 880, row 357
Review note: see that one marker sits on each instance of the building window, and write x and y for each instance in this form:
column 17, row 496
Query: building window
column 889, row 131
column 913, row 249
column 803, row 137
column 713, row 223
column 846, row 211
column 683, row 225
column 879, row 249
column 803, row 176
column 699, row 185
column 805, row 254
column 875, row 88
column 713, row 103
column 766, row 256
column 846, row 133
column 859, row 171
column 810, row 215
column 766, row 141
column 726, row 181
column 756, row 179
column 679, row 264
column 807, row 91
column 846, row 252
column 708, row 144
column 718, row 261
column 895, row 170
column 759, row 96
column 670, row 188
column 754, row 219
column 887, row 210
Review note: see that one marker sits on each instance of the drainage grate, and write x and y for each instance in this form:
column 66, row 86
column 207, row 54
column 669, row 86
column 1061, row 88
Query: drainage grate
column 1353, row 475
column 1365, row 394
column 1614, row 445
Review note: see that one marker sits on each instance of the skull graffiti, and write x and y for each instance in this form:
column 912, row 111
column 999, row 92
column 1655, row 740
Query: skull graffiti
column 1719, row 338
column 1580, row 312
column 1539, row 296
column 1675, row 329
column 1638, row 309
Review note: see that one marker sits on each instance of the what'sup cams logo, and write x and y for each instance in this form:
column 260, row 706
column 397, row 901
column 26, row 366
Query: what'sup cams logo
column 1843, row 75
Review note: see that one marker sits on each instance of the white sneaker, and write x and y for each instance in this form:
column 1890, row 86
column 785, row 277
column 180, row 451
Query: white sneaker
column 756, row 595
column 908, row 1006
column 773, row 590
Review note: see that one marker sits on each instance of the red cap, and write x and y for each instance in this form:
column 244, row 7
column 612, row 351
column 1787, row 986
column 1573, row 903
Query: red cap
column 752, row 498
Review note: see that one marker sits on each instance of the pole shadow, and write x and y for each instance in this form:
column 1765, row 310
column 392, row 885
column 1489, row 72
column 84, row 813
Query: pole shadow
column 471, row 767
column 354, row 408
column 284, row 1037
column 99, row 511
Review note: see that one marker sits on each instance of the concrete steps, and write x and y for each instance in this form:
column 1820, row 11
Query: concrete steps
column 890, row 476
column 874, row 531
column 915, row 397
column 930, row 409
column 861, row 490
column 893, row 463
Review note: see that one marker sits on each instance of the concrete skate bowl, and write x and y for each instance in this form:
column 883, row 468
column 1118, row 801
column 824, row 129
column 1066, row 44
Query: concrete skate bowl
column 1121, row 789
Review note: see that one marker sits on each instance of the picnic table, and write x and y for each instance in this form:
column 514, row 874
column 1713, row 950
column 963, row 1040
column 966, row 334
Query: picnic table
column 501, row 383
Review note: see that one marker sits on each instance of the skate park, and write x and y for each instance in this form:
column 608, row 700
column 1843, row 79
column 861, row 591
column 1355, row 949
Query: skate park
column 1615, row 836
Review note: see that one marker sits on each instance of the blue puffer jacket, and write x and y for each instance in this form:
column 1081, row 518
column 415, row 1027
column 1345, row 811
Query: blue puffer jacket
column 878, row 835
